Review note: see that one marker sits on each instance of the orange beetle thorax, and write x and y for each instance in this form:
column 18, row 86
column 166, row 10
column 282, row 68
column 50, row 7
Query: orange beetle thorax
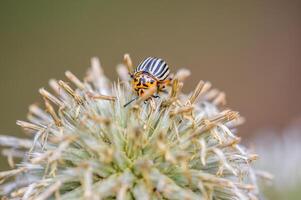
column 144, row 82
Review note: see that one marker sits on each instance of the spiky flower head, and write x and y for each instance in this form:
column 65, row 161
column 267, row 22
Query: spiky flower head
column 87, row 145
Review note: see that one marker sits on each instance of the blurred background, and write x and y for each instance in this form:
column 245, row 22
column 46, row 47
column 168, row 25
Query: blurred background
column 249, row 49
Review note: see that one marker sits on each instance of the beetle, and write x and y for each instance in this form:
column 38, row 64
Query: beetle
column 150, row 75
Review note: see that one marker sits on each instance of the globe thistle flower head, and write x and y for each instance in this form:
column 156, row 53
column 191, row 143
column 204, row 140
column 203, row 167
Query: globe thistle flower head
column 87, row 145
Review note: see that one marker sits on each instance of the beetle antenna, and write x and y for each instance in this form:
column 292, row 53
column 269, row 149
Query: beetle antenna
column 125, row 105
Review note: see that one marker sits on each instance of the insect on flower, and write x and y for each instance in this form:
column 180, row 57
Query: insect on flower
column 151, row 76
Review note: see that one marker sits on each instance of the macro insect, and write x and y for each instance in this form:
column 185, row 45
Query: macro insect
column 151, row 76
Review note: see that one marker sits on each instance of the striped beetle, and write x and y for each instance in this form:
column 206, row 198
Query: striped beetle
column 150, row 75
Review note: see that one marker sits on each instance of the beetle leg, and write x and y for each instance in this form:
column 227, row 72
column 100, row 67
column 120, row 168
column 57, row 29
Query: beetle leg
column 163, row 84
column 167, row 81
column 128, row 103
column 131, row 75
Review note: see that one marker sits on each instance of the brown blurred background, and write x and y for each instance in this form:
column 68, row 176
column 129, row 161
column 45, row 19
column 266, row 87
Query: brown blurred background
column 249, row 49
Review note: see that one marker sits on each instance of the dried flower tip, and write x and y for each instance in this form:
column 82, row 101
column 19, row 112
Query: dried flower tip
column 196, row 92
column 37, row 111
column 200, row 89
column 181, row 110
column 27, row 125
column 41, row 158
column 102, row 97
column 211, row 94
column 237, row 122
column 96, row 67
column 71, row 92
column 182, row 74
column 96, row 76
column 58, row 90
column 220, row 99
column 6, row 174
column 175, row 88
column 253, row 157
column 226, row 115
column 53, row 114
column 15, row 142
column 74, row 80
column 12, row 152
column 99, row 119
column 50, row 97
column 123, row 73
column 128, row 62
